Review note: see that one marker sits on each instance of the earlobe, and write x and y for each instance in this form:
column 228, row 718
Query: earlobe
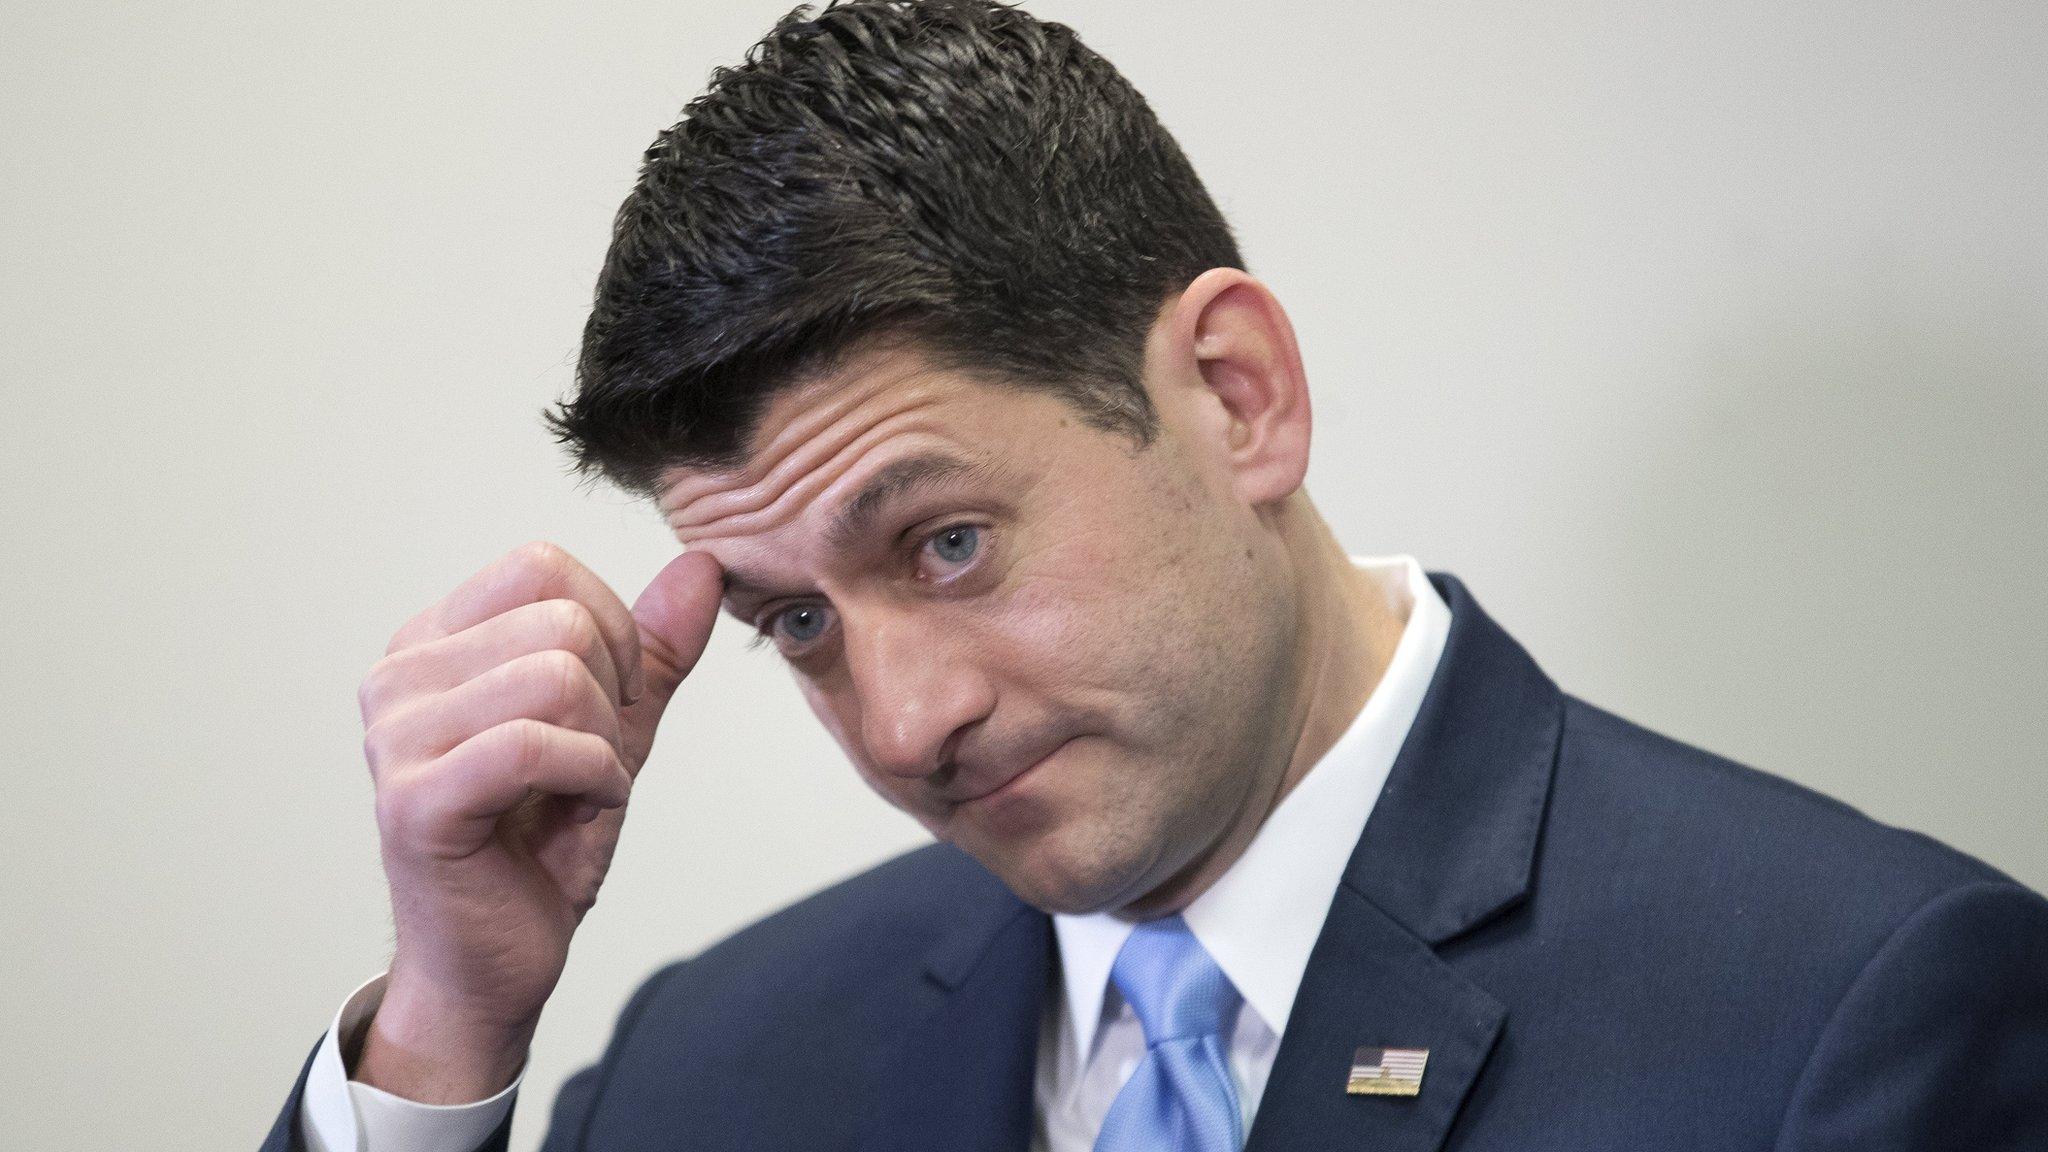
column 1243, row 349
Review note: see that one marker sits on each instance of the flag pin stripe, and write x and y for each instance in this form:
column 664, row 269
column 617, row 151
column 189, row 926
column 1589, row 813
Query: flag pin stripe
column 1387, row 1071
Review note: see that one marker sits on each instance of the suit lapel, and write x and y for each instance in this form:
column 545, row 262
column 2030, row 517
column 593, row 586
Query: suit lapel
column 963, row 1075
column 1450, row 846
column 1370, row 983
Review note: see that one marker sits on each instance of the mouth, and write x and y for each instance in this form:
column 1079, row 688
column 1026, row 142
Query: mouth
column 1011, row 784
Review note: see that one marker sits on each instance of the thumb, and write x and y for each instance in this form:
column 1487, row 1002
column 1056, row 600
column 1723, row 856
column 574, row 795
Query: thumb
column 674, row 613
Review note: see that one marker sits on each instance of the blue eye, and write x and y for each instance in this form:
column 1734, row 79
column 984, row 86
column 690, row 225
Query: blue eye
column 958, row 544
column 800, row 624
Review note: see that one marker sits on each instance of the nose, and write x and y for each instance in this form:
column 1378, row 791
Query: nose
column 918, row 689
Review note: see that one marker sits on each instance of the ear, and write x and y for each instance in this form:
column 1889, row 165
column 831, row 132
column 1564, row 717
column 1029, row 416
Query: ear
column 1229, row 344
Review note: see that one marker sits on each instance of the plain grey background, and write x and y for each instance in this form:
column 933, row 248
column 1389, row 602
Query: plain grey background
column 1706, row 342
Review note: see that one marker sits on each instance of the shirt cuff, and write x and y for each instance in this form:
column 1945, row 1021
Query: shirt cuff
column 337, row 1114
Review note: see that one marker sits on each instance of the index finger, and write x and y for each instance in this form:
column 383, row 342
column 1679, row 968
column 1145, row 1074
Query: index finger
column 528, row 574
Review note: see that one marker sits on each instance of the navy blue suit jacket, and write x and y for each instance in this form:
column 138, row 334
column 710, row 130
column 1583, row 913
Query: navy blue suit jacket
column 1606, row 940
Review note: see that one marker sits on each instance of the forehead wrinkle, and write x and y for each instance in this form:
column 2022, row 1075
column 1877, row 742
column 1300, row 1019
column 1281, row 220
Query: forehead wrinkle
column 855, row 515
column 889, row 483
column 820, row 434
column 742, row 496
column 817, row 480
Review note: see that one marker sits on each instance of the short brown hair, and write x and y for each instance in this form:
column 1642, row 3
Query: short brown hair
column 953, row 170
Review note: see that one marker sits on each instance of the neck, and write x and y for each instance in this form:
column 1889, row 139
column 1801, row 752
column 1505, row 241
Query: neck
column 1350, row 626
column 1346, row 627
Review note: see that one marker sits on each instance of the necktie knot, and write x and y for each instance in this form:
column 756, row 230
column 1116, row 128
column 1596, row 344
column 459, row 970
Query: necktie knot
column 1172, row 983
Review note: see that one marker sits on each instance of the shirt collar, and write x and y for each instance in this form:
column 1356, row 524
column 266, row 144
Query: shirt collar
column 1261, row 918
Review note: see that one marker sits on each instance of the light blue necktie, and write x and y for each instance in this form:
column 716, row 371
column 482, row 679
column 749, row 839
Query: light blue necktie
column 1180, row 1099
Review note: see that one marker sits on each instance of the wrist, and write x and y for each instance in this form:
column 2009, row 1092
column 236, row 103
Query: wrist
column 432, row 1049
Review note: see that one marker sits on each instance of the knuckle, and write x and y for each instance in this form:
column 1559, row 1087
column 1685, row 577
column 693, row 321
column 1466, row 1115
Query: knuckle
column 377, row 746
column 565, row 675
column 540, row 556
column 395, row 737
column 397, row 809
column 526, row 741
column 601, row 761
column 402, row 639
column 416, row 630
column 379, row 688
column 572, row 626
column 596, row 764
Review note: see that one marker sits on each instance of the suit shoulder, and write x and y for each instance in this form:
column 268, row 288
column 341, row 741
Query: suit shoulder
column 709, row 1045
column 904, row 900
column 1735, row 829
column 877, row 921
column 1942, row 1033
column 823, row 980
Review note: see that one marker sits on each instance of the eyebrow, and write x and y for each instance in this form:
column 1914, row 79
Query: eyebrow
column 900, row 478
column 857, row 516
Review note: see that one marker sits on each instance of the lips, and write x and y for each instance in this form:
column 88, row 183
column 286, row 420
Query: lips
column 1004, row 780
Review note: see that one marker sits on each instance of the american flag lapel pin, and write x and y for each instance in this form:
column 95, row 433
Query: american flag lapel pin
column 1387, row 1071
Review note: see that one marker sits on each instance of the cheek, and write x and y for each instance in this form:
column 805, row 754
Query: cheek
column 827, row 707
column 1101, row 589
column 1058, row 637
column 1166, row 641
column 1109, row 656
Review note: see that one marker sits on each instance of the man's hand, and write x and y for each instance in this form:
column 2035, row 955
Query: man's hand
column 504, row 727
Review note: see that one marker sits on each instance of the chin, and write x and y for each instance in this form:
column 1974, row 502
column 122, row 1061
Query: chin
column 1055, row 875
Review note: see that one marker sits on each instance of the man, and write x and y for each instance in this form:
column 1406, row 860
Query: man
column 946, row 373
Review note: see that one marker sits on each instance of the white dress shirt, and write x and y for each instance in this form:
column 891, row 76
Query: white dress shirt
column 1258, row 922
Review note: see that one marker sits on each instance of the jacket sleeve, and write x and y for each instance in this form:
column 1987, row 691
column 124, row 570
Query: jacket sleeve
column 286, row 1135
column 575, row 1105
column 1942, row 1040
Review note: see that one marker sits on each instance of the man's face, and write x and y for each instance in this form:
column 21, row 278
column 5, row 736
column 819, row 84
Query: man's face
column 1061, row 652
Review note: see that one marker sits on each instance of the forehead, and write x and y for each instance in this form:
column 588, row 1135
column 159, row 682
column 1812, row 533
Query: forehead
column 821, row 439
